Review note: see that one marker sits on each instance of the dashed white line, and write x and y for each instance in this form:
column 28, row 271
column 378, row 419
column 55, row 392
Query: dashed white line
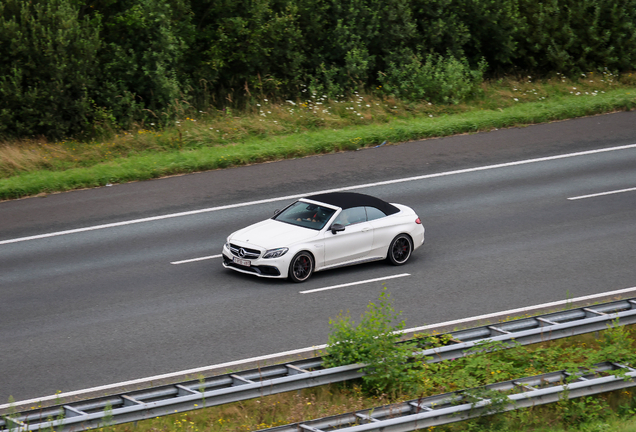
column 354, row 283
column 314, row 348
column 290, row 197
column 196, row 259
column 602, row 194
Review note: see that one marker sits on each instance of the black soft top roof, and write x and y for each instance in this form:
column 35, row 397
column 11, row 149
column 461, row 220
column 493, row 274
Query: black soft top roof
column 347, row 200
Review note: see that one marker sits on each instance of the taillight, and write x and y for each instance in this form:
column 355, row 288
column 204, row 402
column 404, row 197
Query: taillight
column 418, row 221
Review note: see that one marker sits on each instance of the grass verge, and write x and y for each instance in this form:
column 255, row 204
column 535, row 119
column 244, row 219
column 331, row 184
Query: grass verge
column 220, row 139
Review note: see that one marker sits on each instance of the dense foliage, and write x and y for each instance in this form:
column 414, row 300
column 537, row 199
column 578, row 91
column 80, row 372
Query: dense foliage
column 78, row 67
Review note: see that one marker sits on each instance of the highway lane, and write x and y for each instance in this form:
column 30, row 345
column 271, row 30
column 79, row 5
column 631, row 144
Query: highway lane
column 101, row 306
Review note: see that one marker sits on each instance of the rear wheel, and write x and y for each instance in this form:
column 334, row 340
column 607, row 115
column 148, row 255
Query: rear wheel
column 301, row 267
column 400, row 250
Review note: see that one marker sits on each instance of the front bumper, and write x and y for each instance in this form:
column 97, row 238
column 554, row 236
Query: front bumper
column 268, row 268
column 258, row 270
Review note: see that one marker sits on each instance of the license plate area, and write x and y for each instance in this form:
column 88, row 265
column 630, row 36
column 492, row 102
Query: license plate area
column 241, row 262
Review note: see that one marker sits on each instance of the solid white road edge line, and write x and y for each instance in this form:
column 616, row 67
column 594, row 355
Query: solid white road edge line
column 289, row 197
column 354, row 283
column 312, row 348
column 602, row 193
column 196, row 259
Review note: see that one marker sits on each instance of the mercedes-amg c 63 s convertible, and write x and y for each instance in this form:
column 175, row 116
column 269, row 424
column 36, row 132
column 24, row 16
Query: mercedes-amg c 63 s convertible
column 325, row 231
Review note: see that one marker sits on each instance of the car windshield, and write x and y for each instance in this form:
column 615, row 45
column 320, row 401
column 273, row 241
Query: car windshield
column 306, row 215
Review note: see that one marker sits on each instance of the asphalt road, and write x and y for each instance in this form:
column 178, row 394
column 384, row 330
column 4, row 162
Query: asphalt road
column 105, row 304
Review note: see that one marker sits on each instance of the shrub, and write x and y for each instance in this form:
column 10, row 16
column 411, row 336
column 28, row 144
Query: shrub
column 244, row 49
column 46, row 73
column 577, row 36
column 141, row 73
column 389, row 366
column 438, row 79
column 73, row 68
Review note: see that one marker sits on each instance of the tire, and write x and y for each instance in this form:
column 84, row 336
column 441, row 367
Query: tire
column 400, row 250
column 301, row 267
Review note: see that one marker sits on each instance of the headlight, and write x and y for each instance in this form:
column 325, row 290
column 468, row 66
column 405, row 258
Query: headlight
column 275, row 253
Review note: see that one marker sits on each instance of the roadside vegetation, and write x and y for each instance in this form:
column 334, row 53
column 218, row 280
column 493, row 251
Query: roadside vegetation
column 397, row 377
column 100, row 92
column 83, row 68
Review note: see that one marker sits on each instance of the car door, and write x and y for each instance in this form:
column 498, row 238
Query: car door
column 383, row 231
column 354, row 243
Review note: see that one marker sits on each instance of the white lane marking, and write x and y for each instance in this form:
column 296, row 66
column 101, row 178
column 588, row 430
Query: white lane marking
column 312, row 348
column 196, row 259
column 354, row 283
column 602, row 194
column 289, row 197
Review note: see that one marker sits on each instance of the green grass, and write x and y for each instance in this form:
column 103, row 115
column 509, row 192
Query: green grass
column 219, row 139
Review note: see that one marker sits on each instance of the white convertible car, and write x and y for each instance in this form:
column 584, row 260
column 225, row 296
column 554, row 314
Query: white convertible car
column 325, row 231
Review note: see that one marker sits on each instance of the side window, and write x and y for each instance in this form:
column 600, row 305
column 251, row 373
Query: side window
column 374, row 213
column 351, row 216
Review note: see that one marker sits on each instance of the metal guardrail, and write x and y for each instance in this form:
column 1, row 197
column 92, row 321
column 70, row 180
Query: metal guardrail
column 456, row 406
column 540, row 328
column 150, row 403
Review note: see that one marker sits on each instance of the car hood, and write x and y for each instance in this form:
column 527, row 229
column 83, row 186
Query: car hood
column 270, row 234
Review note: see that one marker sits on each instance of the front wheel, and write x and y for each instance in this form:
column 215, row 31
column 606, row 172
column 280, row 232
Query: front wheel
column 301, row 267
column 400, row 250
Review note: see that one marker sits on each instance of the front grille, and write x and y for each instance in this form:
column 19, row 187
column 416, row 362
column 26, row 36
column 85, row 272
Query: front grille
column 249, row 253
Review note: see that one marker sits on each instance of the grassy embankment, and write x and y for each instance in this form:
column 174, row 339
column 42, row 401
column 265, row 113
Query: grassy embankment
column 269, row 131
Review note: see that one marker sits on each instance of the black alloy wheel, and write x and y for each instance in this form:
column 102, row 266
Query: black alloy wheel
column 301, row 267
column 400, row 250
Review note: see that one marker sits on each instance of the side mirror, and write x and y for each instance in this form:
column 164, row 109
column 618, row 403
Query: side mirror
column 336, row 228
